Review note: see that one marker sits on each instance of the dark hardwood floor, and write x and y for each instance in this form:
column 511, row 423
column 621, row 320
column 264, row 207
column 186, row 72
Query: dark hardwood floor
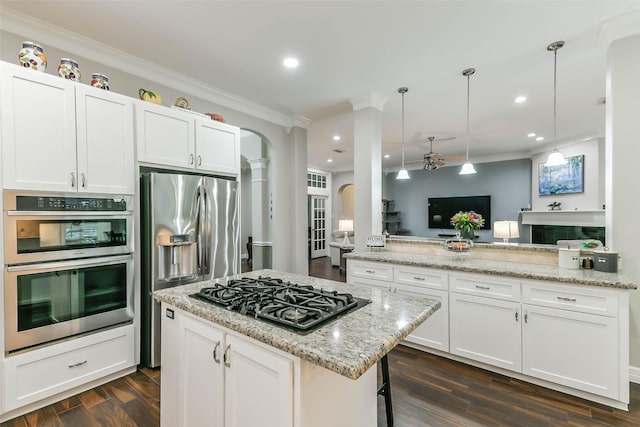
column 427, row 390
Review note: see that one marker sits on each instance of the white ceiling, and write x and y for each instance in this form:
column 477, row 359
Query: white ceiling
column 350, row 49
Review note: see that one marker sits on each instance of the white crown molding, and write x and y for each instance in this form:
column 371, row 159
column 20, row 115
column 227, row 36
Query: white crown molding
column 372, row 99
column 618, row 28
column 36, row 29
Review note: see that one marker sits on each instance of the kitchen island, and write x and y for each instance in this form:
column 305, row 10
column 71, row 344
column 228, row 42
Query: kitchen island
column 225, row 368
column 512, row 310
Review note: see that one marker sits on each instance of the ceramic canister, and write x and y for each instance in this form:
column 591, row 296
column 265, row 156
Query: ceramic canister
column 100, row 81
column 569, row 258
column 68, row 69
column 32, row 56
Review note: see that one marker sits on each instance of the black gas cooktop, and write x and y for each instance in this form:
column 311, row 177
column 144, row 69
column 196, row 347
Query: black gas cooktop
column 300, row 308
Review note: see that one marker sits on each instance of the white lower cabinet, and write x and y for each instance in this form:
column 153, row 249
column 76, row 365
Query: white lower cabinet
column 573, row 338
column 434, row 332
column 217, row 378
column 486, row 330
column 45, row 372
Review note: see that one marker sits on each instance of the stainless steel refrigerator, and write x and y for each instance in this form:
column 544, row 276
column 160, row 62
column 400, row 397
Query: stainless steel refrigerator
column 189, row 232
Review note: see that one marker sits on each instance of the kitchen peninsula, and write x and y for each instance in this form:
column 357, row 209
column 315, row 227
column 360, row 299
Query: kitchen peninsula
column 511, row 309
column 231, row 369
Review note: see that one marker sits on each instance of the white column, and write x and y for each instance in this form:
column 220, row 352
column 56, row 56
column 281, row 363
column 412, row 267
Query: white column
column 300, row 214
column 367, row 165
column 622, row 196
column 261, row 256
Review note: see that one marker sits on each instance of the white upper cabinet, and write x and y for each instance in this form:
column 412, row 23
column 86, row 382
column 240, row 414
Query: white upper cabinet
column 170, row 137
column 63, row 136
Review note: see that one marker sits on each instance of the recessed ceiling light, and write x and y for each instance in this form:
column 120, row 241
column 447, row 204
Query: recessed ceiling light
column 290, row 62
column 336, row 137
column 520, row 99
column 531, row 135
column 329, row 160
column 386, row 156
column 539, row 138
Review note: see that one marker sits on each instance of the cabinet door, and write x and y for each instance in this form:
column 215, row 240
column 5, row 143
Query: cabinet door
column 486, row 330
column 434, row 332
column 217, row 147
column 105, row 141
column 574, row 349
column 259, row 386
column 38, row 131
column 164, row 136
column 201, row 399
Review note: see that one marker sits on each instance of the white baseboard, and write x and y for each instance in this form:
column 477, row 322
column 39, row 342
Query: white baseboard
column 634, row 374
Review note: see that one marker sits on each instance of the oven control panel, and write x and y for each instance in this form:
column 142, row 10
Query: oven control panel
column 55, row 203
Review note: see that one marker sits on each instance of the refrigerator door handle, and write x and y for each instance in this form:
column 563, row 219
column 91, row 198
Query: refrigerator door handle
column 199, row 238
column 207, row 230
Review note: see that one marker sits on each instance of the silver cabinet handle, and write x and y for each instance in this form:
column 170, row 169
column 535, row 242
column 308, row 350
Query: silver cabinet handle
column 190, row 159
column 84, row 180
column 75, row 365
column 215, row 353
column 199, row 160
column 419, row 278
column 370, row 271
column 73, row 180
column 526, row 317
column 567, row 299
column 484, row 288
column 516, row 315
column 225, row 356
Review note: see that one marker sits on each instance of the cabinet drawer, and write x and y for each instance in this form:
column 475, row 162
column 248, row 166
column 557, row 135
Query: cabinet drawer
column 421, row 277
column 41, row 373
column 569, row 297
column 484, row 285
column 370, row 270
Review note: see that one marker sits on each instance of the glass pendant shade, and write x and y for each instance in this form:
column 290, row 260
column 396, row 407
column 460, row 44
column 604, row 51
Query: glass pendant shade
column 467, row 168
column 402, row 174
column 555, row 159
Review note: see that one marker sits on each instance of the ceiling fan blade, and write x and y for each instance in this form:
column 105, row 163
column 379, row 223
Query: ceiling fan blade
column 455, row 158
column 440, row 163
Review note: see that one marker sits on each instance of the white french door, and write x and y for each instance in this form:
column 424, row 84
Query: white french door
column 318, row 223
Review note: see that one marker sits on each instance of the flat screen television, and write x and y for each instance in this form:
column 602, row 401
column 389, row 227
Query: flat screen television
column 441, row 209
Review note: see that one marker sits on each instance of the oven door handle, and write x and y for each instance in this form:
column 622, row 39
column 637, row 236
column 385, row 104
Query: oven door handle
column 65, row 265
column 70, row 214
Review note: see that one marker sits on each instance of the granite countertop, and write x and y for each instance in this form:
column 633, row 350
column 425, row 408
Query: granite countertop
column 349, row 345
column 466, row 262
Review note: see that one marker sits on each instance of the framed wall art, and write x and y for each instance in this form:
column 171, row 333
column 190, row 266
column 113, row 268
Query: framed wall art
column 564, row 179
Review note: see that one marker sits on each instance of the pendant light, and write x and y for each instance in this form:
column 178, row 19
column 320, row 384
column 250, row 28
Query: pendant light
column 555, row 157
column 467, row 167
column 402, row 173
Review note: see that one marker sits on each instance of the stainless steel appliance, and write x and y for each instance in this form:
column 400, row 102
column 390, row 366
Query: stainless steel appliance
column 189, row 233
column 69, row 268
column 300, row 308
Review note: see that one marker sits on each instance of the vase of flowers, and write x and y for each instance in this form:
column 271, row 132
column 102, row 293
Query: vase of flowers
column 467, row 223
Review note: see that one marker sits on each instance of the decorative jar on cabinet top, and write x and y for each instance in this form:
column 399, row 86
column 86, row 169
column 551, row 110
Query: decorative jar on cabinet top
column 68, row 69
column 32, row 56
column 100, row 81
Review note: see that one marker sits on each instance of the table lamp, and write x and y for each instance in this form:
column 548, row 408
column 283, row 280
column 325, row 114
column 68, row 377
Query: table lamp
column 345, row 225
column 505, row 230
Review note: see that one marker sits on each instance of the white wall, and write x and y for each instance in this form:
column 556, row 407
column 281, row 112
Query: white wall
column 593, row 196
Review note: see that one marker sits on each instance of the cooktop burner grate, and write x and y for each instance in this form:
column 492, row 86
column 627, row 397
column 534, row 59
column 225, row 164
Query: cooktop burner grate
column 301, row 308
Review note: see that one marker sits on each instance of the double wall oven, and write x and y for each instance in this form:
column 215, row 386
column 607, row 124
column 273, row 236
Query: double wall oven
column 68, row 266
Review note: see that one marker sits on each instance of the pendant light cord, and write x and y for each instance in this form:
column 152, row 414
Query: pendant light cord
column 402, row 130
column 468, row 86
column 555, row 102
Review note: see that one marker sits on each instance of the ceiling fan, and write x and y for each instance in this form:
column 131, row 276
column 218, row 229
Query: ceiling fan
column 433, row 161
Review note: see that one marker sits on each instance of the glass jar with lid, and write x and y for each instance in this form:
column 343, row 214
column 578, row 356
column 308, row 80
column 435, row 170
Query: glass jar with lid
column 32, row 56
